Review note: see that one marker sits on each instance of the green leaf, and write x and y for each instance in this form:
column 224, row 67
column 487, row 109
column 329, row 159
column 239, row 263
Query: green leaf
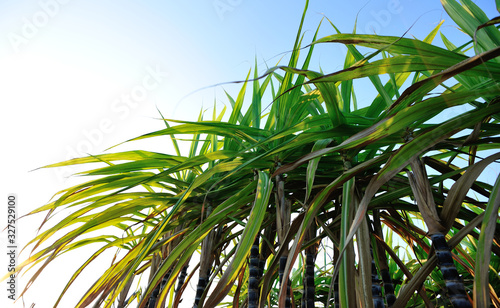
column 483, row 256
column 458, row 191
column 313, row 165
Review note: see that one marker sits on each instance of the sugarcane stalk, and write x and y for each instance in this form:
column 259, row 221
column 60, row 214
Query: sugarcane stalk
column 253, row 280
column 154, row 295
column 382, row 261
column 308, row 296
column 378, row 301
column 388, row 287
column 182, row 277
column 200, row 288
column 283, row 217
column 206, row 260
column 454, row 284
column 425, row 201
column 288, row 302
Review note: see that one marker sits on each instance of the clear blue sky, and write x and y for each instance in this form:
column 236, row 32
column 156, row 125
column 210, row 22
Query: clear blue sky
column 80, row 76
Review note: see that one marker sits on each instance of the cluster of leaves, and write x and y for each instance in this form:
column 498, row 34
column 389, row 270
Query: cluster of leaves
column 260, row 191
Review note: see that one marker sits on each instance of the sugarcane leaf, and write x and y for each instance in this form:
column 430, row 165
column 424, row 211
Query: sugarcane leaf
column 236, row 115
column 422, row 192
column 397, row 123
column 118, row 242
column 491, row 22
column 468, row 16
column 122, row 156
column 399, row 64
column 483, row 256
column 346, row 266
column 313, row 165
column 391, row 44
column 210, row 127
column 419, row 89
column 460, row 188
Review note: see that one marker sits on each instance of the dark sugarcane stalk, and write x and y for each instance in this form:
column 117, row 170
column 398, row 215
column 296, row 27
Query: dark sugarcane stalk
column 253, row 280
column 454, row 284
column 200, row 288
column 165, row 251
column 378, row 301
column 183, row 274
column 152, row 298
column 206, row 260
column 283, row 218
column 255, row 272
column 425, row 201
column 382, row 260
column 204, row 274
column 182, row 277
column 157, row 290
column 388, row 287
column 309, row 286
column 308, row 297
column 288, row 302
column 155, row 264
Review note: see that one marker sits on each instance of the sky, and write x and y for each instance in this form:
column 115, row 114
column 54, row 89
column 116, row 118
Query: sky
column 78, row 77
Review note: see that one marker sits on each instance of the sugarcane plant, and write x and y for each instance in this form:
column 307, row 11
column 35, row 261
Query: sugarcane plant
column 305, row 196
